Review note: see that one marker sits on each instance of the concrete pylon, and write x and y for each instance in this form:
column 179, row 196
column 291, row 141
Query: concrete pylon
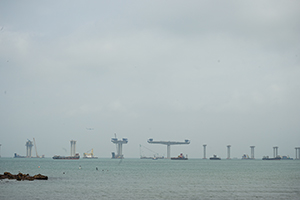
column 73, row 148
column 297, row 156
column 228, row 151
column 119, row 144
column 252, row 152
column 275, row 152
column 204, row 151
column 28, row 148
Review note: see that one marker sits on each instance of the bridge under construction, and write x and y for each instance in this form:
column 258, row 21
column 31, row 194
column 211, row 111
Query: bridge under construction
column 168, row 143
column 119, row 144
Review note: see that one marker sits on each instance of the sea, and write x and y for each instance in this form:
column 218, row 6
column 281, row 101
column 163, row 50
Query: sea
column 133, row 178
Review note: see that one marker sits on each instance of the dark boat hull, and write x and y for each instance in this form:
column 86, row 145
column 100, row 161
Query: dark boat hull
column 66, row 157
column 271, row 158
column 179, row 158
column 18, row 156
column 215, row 158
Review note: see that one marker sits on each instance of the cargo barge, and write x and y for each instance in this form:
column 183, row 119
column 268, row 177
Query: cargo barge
column 268, row 158
column 18, row 156
column 76, row 157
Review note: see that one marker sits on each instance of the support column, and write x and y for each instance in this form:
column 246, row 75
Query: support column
column 275, row 152
column 73, row 147
column 204, row 151
column 28, row 148
column 119, row 149
column 30, row 152
column 297, row 153
column 168, row 151
column 252, row 152
column 228, row 151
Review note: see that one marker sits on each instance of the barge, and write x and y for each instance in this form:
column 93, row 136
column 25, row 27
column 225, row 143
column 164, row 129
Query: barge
column 76, row 157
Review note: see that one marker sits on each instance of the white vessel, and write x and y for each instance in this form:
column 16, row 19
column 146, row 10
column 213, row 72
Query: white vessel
column 89, row 155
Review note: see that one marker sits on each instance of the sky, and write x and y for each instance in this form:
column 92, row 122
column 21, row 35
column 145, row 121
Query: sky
column 214, row 72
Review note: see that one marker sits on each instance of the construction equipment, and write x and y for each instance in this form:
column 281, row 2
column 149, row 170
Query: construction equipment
column 168, row 143
column 155, row 154
column 89, row 155
column 35, row 148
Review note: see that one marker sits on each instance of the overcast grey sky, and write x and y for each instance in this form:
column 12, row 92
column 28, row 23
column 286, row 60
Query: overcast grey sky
column 215, row 72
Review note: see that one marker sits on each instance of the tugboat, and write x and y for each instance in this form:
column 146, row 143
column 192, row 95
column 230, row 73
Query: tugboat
column 180, row 157
column 215, row 158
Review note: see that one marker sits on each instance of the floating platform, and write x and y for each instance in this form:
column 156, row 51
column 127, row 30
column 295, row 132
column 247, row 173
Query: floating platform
column 76, row 157
column 267, row 158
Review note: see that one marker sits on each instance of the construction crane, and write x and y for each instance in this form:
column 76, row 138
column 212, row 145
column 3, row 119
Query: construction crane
column 155, row 154
column 89, row 155
column 35, row 148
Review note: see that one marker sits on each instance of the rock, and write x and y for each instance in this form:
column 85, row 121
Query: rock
column 22, row 177
column 40, row 177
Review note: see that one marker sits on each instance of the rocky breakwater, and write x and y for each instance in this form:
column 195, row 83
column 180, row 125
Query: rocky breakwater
column 22, row 177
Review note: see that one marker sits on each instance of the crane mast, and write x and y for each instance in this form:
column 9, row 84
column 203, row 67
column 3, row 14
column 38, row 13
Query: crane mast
column 35, row 148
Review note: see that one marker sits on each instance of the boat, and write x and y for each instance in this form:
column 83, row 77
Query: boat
column 76, row 157
column 18, row 156
column 154, row 157
column 245, row 157
column 145, row 157
column 215, row 158
column 180, row 157
column 89, row 155
column 268, row 158
column 114, row 156
column 286, row 158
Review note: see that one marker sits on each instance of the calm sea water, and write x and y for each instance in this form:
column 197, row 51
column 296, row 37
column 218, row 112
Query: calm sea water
column 152, row 179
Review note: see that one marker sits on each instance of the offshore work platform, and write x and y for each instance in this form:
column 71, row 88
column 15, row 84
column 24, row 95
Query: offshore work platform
column 168, row 143
column 119, row 145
